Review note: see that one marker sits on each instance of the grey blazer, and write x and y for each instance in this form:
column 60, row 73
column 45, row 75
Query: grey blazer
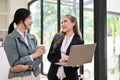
column 18, row 52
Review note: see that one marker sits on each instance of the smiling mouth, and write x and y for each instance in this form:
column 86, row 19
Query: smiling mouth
column 64, row 27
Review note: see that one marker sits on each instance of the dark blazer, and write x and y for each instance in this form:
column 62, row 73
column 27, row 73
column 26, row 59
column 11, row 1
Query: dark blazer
column 18, row 52
column 55, row 55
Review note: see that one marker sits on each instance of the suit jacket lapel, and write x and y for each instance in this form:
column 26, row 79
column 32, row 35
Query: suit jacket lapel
column 23, row 41
column 29, row 37
column 73, row 42
column 17, row 35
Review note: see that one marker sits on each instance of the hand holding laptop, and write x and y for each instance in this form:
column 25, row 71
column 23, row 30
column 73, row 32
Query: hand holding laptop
column 79, row 55
column 76, row 65
column 63, row 61
column 64, row 58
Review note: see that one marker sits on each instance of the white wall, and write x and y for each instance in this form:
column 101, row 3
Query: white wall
column 3, row 14
column 113, row 5
column 4, row 65
column 7, row 10
column 13, row 5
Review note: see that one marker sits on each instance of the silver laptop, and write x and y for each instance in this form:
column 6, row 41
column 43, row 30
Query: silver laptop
column 80, row 54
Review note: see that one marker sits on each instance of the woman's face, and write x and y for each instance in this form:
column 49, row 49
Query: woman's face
column 67, row 25
column 28, row 22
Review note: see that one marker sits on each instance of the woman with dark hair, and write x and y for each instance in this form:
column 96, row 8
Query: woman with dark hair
column 60, row 49
column 21, row 48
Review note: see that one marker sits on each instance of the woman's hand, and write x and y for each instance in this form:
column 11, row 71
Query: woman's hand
column 20, row 68
column 64, row 58
column 76, row 65
column 39, row 52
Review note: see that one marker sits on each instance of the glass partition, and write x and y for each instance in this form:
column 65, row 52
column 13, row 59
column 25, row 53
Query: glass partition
column 113, row 47
column 89, row 35
column 35, row 12
column 113, row 40
column 89, row 39
column 49, row 29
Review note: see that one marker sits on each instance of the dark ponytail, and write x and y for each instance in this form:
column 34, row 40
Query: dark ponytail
column 11, row 27
column 20, row 15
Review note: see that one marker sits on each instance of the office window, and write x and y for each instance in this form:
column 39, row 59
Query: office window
column 113, row 47
column 49, row 25
column 89, row 36
column 35, row 12
column 88, row 39
column 70, row 7
column 113, row 40
column 49, row 28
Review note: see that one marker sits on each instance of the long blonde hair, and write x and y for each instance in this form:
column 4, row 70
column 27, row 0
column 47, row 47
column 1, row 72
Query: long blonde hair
column 60, row 36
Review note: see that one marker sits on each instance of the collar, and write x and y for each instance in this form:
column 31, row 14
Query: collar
column 22, row 34
column 16, row 34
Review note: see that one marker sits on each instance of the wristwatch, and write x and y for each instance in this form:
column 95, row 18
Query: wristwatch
column 30, row 67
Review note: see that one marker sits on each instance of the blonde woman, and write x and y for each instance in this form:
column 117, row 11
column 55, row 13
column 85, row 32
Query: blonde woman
column 60, row 49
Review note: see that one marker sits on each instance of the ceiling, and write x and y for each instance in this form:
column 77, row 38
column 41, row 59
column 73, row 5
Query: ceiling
column 112, row 6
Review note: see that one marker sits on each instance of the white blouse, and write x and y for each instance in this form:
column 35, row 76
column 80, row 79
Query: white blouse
column 60, row 73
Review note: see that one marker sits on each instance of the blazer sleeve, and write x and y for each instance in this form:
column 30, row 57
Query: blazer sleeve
column 12, row 54
column 35, row 63
column 53, row 56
